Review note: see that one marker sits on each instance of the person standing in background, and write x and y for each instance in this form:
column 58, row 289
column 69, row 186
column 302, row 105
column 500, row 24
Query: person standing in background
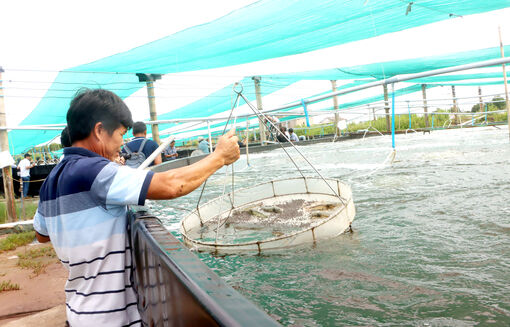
column 140, row 148
column 293, row 137
column 170, row 152
column 203, row 145
column 24, row 172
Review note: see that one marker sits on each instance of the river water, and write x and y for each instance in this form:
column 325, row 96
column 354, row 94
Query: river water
column 431, row 239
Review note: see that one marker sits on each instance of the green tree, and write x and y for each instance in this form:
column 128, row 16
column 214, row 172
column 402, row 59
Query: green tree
column 498, row 104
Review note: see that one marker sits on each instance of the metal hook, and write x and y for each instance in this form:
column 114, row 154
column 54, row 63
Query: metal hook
column 236, row 84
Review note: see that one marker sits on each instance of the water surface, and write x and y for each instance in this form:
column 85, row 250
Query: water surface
column 431, row 238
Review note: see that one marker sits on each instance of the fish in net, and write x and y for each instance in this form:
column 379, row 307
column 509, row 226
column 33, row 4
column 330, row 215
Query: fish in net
column 271, row 215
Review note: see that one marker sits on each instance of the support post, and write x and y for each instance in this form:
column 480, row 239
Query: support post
column 305, row 109
column 480, row 98
column 505, row 80
column 149, row 80
column 410, row 116
column 425, row 107
column 335, row 107
column 262, row 124
column 392, row 115
column 209, row 136
column 247, row 140
column 455, row 109
column 6, row 171
column 387, row 108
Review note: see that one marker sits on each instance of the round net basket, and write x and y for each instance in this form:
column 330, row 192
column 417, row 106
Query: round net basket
column 269, row 216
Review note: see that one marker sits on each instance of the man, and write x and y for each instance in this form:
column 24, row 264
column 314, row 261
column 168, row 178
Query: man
column 140, row 143
column 293, row 137
column 24, row 172
column 282, row 135
column 203, row 145
column 170, row 152
column 83, row 206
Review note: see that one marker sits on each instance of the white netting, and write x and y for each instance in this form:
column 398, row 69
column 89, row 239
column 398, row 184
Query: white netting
column 271, row 215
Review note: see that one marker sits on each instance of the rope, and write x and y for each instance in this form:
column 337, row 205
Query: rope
column 223, row 133
column 231, row 198
column 260, row 114
column 30, row 181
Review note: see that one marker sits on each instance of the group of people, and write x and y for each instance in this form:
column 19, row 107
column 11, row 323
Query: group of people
column 83, row 206
column 285, row 135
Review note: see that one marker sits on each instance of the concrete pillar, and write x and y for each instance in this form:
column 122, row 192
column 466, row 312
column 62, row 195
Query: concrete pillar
column 262, row 124
column 387, row 108
column 149, row 79
column 455, row 108
column 335, row 107
column 425, row 107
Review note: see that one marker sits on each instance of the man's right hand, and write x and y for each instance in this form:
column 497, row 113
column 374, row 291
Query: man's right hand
column 227, row 148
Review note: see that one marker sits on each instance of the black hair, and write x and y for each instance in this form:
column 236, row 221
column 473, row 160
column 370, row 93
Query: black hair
column 291, row 130
column 139, row 127
column 92, row 106
column 27, row 155
column 65, row 140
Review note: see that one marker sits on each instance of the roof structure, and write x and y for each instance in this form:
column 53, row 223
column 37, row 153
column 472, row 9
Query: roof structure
column 263, row 30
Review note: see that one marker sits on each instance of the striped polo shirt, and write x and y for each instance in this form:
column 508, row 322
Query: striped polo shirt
column 82, row 208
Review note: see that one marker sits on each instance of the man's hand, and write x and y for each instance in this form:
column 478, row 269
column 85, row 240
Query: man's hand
column 180, row 181
column 227, row 148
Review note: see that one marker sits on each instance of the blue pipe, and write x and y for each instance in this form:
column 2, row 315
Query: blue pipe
column 393, row 116
column 303, row 103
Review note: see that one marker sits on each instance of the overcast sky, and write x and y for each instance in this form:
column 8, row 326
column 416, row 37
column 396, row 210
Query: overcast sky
column 54, row 35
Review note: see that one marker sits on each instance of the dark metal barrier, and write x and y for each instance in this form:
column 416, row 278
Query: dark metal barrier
column 175, row 288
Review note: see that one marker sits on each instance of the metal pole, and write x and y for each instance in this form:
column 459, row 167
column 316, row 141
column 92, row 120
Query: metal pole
column 392, row 116
column 504, row 79
column 210, row 137
column 247, row 141
column 335, row 107
column 396, row 79
column 6, row 171
column 409, row 111
column 262, row 124
column 425, row 107
column 387, row 108
column 303, row 103
column 480, row 97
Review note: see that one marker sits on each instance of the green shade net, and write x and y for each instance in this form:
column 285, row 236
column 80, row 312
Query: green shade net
column 264, row 30
column 52, row 109
column 378, row 71
column 276, row 28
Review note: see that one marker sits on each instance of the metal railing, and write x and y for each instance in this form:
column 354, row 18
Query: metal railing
column 175, row 288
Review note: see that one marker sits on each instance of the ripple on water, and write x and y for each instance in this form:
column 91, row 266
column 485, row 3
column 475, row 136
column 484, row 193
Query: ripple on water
column 430, row 243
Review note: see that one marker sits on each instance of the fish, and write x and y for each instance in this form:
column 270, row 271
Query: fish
column 324, row 206
column 254, row 212
column 271, row 209
column 319, row 214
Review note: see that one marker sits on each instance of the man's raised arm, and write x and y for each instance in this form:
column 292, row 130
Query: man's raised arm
column 178, row 182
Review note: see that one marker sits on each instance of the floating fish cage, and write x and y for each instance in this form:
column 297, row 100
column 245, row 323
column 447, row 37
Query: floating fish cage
column 269, row 216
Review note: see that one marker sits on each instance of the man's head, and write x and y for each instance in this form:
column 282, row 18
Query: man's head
column 291, row 130
column 27, row 156
column 64, row 138
column 139, row 129
column 97, row 120
column 172, row 144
